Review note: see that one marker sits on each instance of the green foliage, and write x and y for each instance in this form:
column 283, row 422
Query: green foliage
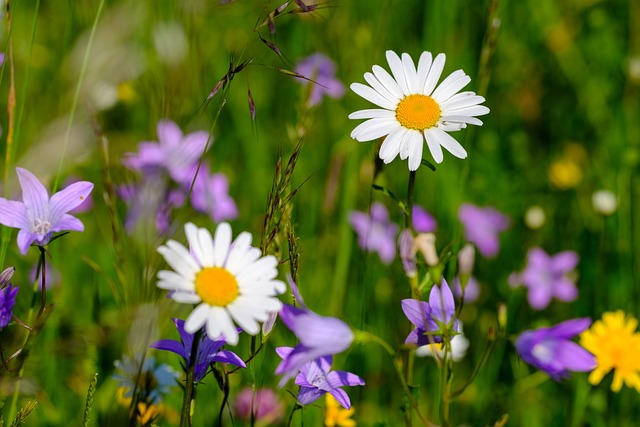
column 562, row 80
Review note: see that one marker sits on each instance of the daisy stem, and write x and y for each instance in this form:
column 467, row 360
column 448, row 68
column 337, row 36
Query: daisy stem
column 185, row 414
column 410, row 191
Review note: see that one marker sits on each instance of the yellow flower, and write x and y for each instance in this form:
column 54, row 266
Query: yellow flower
column 616, row 345
column 336, row 415
column 148, row 413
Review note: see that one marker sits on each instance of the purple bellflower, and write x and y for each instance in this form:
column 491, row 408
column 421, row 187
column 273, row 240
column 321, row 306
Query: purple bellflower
column 376, row 232
column 39, row 216
column 321, row 70
column 482, row 227
column 430, row 318
column 552, row 351
column 211, row 196
column 319, row 336
column 546, row 277
column 208, row 351
column 174, row 152
column 422, row 221
column 316, row 378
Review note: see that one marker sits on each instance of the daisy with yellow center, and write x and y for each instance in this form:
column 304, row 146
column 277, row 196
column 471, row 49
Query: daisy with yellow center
column 336, row 415
column 415, row 108
column 616, row 346
column 230, row 281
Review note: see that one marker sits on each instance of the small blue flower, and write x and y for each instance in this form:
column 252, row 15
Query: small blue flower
column 7, row 301
column 153, row 381
column 208, row 351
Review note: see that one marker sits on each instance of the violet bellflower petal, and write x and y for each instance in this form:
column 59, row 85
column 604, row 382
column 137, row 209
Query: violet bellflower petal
column 227, row 356
column 13, row 214
column 552, row 351
column 69, row 198
column 308, row 395
column 442, row 303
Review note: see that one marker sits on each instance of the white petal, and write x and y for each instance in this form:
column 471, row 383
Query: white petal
column 172, row 280
column 415, row 157
column 461, row 102
column 197, row 318
column 239, row 248
column 243, row 316
column 372, row 114
column 450, row 143
column 461, row 119
column 373, row 129
column 265, row 288
column 372, row 96
column 388, row 82
column 379, row 87
column 222, row 320
column 263, row 269
column 206, row 246
column 405, row 146
column 424, row 64
column 476, row 110
column 450, row 86
column 179, row 258
column 410, row 73
column 195, row 244
column 390, row 147
column 451, row 126
column 434, row 145
column 261, row 306
column 398, row 71
column 434, row 74
column 222, row 241
column 186, row 298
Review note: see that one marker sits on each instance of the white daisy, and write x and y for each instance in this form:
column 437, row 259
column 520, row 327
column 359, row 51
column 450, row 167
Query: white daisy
column 230, row 282
column 414, row 109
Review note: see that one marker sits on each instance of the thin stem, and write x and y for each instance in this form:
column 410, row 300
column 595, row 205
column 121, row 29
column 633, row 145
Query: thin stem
column 76, row 96
column 293, row 410
column 366, row 336
column 185, row 414
column 21, row 354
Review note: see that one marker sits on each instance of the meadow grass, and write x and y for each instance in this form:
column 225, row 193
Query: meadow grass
column 83, row 83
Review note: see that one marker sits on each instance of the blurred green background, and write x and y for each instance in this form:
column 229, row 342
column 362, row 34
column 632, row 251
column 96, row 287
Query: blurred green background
column 562, row 84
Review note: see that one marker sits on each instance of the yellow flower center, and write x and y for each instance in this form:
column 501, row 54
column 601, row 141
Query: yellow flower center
column 216, row 286
column 418, row 112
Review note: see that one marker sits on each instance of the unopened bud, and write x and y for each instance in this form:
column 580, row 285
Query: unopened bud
column 267, row 326
column 6, row 275
column 408, row 257
column 502, row 316
column 426, row 244
column 466, row 259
